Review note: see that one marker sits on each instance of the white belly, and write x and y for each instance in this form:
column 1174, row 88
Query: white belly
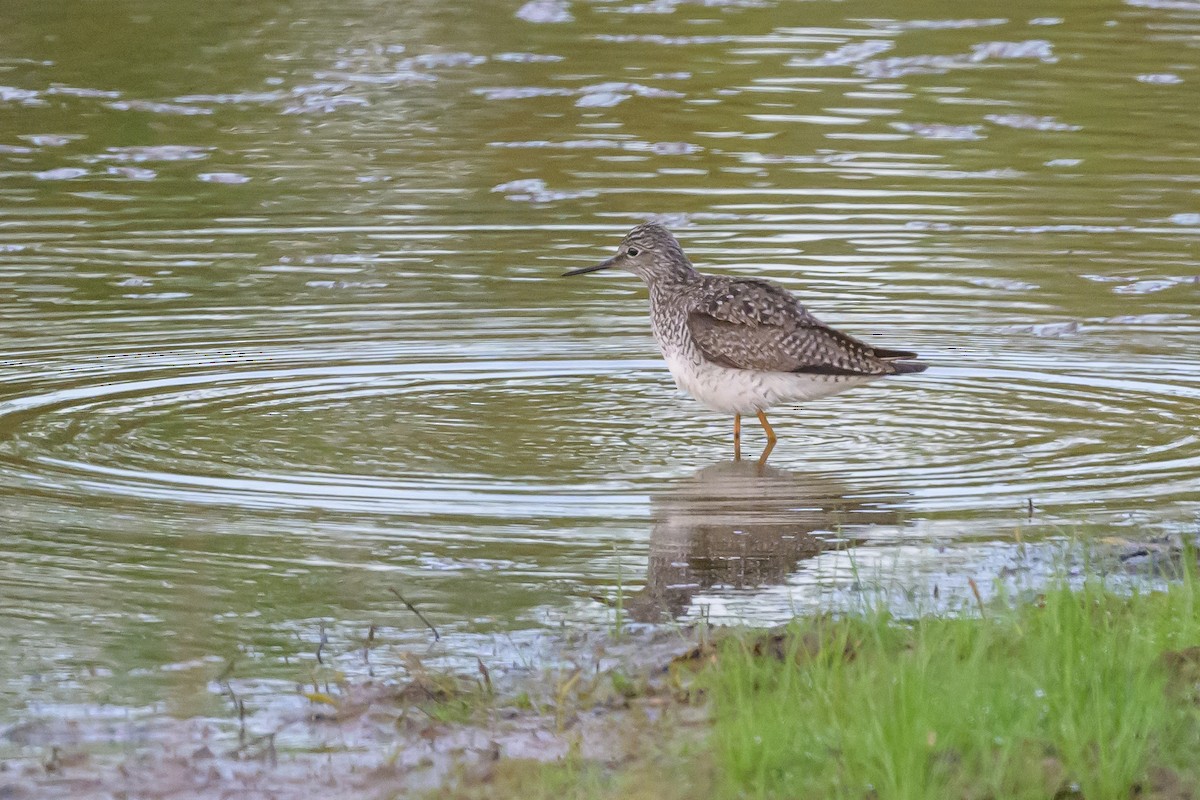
column 746, row 391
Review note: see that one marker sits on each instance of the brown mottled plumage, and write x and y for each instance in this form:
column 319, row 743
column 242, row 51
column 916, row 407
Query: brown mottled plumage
column 755, row 324
column 742, row 345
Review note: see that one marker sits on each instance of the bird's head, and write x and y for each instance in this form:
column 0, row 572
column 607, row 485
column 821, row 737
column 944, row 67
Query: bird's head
column 648, row 251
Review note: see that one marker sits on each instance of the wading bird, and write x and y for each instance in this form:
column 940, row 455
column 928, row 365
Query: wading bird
column 743, row 345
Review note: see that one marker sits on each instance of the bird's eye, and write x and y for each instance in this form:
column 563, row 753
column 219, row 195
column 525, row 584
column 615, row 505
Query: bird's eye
column 633, row 251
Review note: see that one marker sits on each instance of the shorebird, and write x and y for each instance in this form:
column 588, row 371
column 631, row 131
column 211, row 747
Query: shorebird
column 743, row 345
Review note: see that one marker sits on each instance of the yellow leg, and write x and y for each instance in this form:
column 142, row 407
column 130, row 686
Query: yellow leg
column 737, row 437
column 766, row 427
column 762, row 418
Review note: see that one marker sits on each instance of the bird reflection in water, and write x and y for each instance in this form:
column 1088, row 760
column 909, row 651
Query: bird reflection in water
column 742, row 525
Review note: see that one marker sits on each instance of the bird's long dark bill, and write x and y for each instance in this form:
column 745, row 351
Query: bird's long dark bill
column 602, row 265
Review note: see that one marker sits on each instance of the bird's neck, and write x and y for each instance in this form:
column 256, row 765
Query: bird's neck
column 672, row 281
column 670, row 295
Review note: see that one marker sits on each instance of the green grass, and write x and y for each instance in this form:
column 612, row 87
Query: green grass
column 1075, row 695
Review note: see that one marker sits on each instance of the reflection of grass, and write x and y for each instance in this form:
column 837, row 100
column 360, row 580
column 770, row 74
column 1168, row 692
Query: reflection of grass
column 1074, row 691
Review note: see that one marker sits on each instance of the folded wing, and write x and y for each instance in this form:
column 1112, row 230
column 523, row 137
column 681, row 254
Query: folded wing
column 758, row 325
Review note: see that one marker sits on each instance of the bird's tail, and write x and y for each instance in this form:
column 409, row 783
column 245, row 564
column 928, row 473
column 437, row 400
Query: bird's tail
column 900, row 360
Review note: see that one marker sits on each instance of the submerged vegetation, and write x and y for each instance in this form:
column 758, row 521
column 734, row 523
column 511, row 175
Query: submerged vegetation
column 1081, row 691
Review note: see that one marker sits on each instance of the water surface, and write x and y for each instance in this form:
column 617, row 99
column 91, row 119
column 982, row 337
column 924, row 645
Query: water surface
column 283, row 328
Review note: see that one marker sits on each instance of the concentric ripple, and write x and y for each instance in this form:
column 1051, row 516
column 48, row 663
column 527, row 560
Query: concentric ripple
column 356, row 428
